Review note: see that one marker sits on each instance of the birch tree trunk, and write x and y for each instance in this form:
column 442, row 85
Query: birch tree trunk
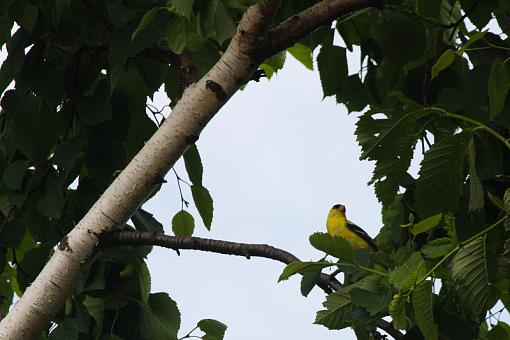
column 198, row 105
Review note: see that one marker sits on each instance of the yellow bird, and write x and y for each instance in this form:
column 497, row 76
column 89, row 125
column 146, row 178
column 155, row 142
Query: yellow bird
column 338, row 225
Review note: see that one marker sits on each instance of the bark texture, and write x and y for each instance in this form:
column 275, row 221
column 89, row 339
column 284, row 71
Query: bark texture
column 328, row 283
column 198, row 105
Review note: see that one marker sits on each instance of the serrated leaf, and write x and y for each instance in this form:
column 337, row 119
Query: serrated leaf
column 95, row 307
column 273, row 64
column 302, row 267
column 498, row 202
column 213, row 329
column 332, row 65
column 472, row 39
column 423, row 310
column 499, row 84
column 223, row 24
column 309, row 280
column 501, row 331
column 397, row 309
column 204, row 203
column 506, row 201
column 146, row 20
column 441, row 176
column 303, row 54
column 160, row 318
column 476, row 196
column 145, row 221
column 193, row 164
column 404, row 276
column 183, row 224
column 176, row 34
column 427, row 224
column 469, row 272
column 338, row 313
column 14, row 174
column 445, row 60
column 437, row 248
column 332, row 245
column 144, row 281
column 390, row 142
column 338, row 310
column 373, row 302
column 182, row 7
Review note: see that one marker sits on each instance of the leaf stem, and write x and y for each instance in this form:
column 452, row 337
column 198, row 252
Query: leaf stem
column 480, row 125
column 370, row 270
column 459, row 245
column 483, row 232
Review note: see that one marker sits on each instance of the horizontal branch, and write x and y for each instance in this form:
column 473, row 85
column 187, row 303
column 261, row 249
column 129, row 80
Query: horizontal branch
column 300, row 25
column 137, row 238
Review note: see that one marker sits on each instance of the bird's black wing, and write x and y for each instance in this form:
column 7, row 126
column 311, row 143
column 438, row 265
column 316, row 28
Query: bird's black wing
column 363, row 234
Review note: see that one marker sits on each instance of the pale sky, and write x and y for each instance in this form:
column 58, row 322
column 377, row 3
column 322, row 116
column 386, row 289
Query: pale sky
column 276, row 158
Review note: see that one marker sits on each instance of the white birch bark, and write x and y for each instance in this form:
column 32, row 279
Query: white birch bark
column 198, row 105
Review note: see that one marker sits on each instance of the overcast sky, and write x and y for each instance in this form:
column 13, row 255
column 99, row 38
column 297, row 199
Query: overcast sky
column 276, row 158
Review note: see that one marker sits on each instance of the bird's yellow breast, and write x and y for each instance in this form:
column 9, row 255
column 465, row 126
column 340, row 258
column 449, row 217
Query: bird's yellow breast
column 337, row 226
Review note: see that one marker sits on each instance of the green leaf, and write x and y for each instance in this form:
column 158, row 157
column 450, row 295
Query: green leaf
column 476, row 196
column 145, row 221
column 506, row 201
column 498, row 202
column 176, row 34
column 144, row 281
column 472, row 39
column 333, row 245
column 303, row 54
column 213, row 329
column 69, row 152
column 95, row 307
column 372, row 302
column 469, row 272
column 33, row 128
column 182, row 7
column 206, row 15
column 338, row 313
column 501, row 331
column 183, row 224
column 160, row 318
column 204, row 203
column 441, row 175
column 273, row 64
column 14, row 174
column 427, row 224
column 437, row 248
column 67, row 329
column 193, row 165
column 147, row 18
column 223, row 24
column 24, row 14
column 499, row 84
column 405, row 276
column 397, row 309
column 332, row 65
column 445, row 60
column 338, row 310
column 52, row 201
column 302, row 267
column 423, row 310
column 309, row 280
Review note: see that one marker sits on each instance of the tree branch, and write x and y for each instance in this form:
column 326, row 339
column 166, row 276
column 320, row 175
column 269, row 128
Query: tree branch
column 137, row 238
column 300, row 25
